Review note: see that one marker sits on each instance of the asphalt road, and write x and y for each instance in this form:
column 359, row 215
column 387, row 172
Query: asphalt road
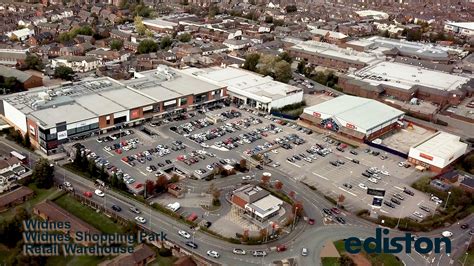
column 311, row 237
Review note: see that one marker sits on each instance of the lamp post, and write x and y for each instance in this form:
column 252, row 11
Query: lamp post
column 399, row 217
column 446, row 203
column 294, row 218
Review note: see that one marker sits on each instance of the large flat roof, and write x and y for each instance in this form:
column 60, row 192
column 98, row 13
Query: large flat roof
column 92, row 98
column 406, row 76
column 441, row 145
column 465, row 25
column 243, row 81
column 360, row 112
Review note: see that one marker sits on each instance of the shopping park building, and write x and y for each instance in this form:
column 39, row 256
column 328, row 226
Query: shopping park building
column 54, row 115
column 354, row 117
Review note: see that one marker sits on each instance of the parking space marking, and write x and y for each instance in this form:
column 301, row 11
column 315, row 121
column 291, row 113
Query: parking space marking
column 320, row 176
column 353, row 194
column 294, row 164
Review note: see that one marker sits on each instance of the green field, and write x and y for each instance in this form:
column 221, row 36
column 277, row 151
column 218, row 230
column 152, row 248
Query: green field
column 88, row 215
column 375, row 259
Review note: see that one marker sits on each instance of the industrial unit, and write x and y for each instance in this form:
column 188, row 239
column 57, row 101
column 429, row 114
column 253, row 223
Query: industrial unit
column 53, row 115
column 354, row 117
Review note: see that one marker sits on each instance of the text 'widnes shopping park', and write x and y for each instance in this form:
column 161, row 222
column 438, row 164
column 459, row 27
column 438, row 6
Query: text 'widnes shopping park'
column 245, row 162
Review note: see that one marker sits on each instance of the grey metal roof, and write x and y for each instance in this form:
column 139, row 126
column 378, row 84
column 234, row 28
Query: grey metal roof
column 11, row 72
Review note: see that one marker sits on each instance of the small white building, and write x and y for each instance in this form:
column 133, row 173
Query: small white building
column 77, row 63
column 21, row 35
column 437, row 152
column 462, row 28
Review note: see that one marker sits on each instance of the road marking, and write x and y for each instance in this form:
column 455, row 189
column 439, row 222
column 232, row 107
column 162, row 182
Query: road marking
column 398, row 187
column 294, row 164
column 320, row 176
column 353, row 194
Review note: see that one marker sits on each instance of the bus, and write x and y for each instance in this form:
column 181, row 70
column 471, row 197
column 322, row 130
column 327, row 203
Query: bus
column 19, row 156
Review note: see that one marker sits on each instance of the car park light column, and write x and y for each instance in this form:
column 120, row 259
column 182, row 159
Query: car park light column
column 446, row 204
column 399, row 217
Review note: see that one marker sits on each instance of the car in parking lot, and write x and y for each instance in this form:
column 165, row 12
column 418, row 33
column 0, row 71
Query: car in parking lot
column 464, row 226
column 184, row 234
column 419, row 215
column 398, row 196
column 340, row 220
column 436, row 200
column 116, row 208
column 247, row 177
column 349, row 186
column 87, row 194
column 213, row 253
column 426, row 209
column 311, row 221
column 409, row 192
column 354, row 152
column 373, row 180
column 389, row 204
column 363, row 186
column 239, row 251
column 366, row 174
column 335, row 210
column 396, row 201
column 304, row 252
column 327, row 211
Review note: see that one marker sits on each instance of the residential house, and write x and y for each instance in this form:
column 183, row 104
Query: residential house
column 39, row 19
column 132, row 46
column 214, row 49
column 69, row 51
column 51, row 212
column 142, row 256
column 51, row 27
column 116, row 34
column 467, row 184
column 28, row 81
column 77, row 63
column 15, row 197
column 41, row 38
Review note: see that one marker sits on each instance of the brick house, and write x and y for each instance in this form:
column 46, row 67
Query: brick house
column 15, row 197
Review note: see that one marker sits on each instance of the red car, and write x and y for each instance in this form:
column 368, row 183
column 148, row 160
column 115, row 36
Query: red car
column 336, row 211
column 311, row 221
column 88, row 194
column 281, row 248
column 139, row 185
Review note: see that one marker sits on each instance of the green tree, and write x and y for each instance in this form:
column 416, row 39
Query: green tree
column 468, row 163
column 139, row 26
column 291, row 8
column 63, row 72
column 266, row 64
column 285, row 56
column 78, row 158
column 251, row 61
column 147, row 46
column 283, row 71
column 301, row 67
column 33, row 62
column 116, row 44
column 414, row 35
column 42, row 174
column 165, row 42
column 114, row 180
column 278, row 22
column 27, row 141
column 91, row 169
column 268, row 19
column 102, row 173
column 185, row 37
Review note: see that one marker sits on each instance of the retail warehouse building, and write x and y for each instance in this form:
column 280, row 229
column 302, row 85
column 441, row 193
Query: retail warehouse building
column 54, row 115
column 354, row 117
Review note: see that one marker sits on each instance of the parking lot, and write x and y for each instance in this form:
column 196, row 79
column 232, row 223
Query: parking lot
column 194, row 146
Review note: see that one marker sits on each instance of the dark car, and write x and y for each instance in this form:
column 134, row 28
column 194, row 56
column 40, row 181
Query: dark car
column 464, row 226
column 311, row 221
column 394, row 200
column 366, row 174
column 389, row 204
column 191, row 244
column 340, row 220
column 327, row 211
column 353, row 152
column 334, row 163
column 116, row 208
column 409, row 192
column 168, row 161
column 355, row 161
column 259, row 167
column 426, row 209
column 349, row 186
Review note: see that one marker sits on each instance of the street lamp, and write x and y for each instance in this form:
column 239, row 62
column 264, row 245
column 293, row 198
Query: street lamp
column 294, row 218
column 446, row 203
column 399, row 217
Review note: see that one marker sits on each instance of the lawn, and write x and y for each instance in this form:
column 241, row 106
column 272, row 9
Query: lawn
column 376, row 259
column 163, row 261
column 469, row 259
column 330, row 262
column 40, row 195
column 75, row 261
column 88, row 215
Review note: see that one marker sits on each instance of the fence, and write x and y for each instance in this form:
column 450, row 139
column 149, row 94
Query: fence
column 387, row 149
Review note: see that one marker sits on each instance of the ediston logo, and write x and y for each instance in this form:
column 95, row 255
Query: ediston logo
column 426, row 156
column 380, row 244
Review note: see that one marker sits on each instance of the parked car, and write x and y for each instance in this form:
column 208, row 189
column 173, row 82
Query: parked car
column 116, row 208
column 88, row 194
column 349, row 186
column 389, row 204
column 340, row 220
column 213, row 253
column 304, row 252
column 398, row 196
column 238, row 251
column 140, row 219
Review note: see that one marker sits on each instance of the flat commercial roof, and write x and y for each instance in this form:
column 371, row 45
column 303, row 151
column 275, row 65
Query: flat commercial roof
column 442, row 145
column 465, row 25
column 240, row 80
column 406, row 76
column 334, row 51
column 360, row 112
column 160, row 23
column 266, row 205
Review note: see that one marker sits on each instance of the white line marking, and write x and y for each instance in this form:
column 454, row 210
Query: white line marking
column 353, row 194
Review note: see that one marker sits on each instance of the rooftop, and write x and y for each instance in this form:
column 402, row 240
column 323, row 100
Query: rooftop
column 466, row 25
column 441, row 145
column 12, row 72
column 360, row 112
column 406, row 76
column 15, row 195
column 160, row 23
column 245, row 82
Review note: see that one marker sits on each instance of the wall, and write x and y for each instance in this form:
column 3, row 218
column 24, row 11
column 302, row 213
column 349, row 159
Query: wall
column 14, row 116
column 289, row 99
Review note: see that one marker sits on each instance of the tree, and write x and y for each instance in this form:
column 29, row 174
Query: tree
column 161, row 183
column 251, row 61
column 285, row 56
column 283, row 71
column 165, row 42
column 91, row 168
column 340, row 199
column 414, row 35
column 78, row 158
column 102, row 173
column 63, row 72
column 33, row 62
column 139, row 26
column 278, row 185
column 42, row 174
column 116, row 44
column 27, row 141
column 266, row 64
column 292, row 194
column 297, row 208
column 147, row 46
column 174, row 179
column 268, row 19
column 114, row 180
column 265, row 179
column 468, row 163
column 263, row 233
column 291, row 8
column 185, row 37
column 301, row 67
column 278, row 22
column 149, row 188
column 243, row 164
